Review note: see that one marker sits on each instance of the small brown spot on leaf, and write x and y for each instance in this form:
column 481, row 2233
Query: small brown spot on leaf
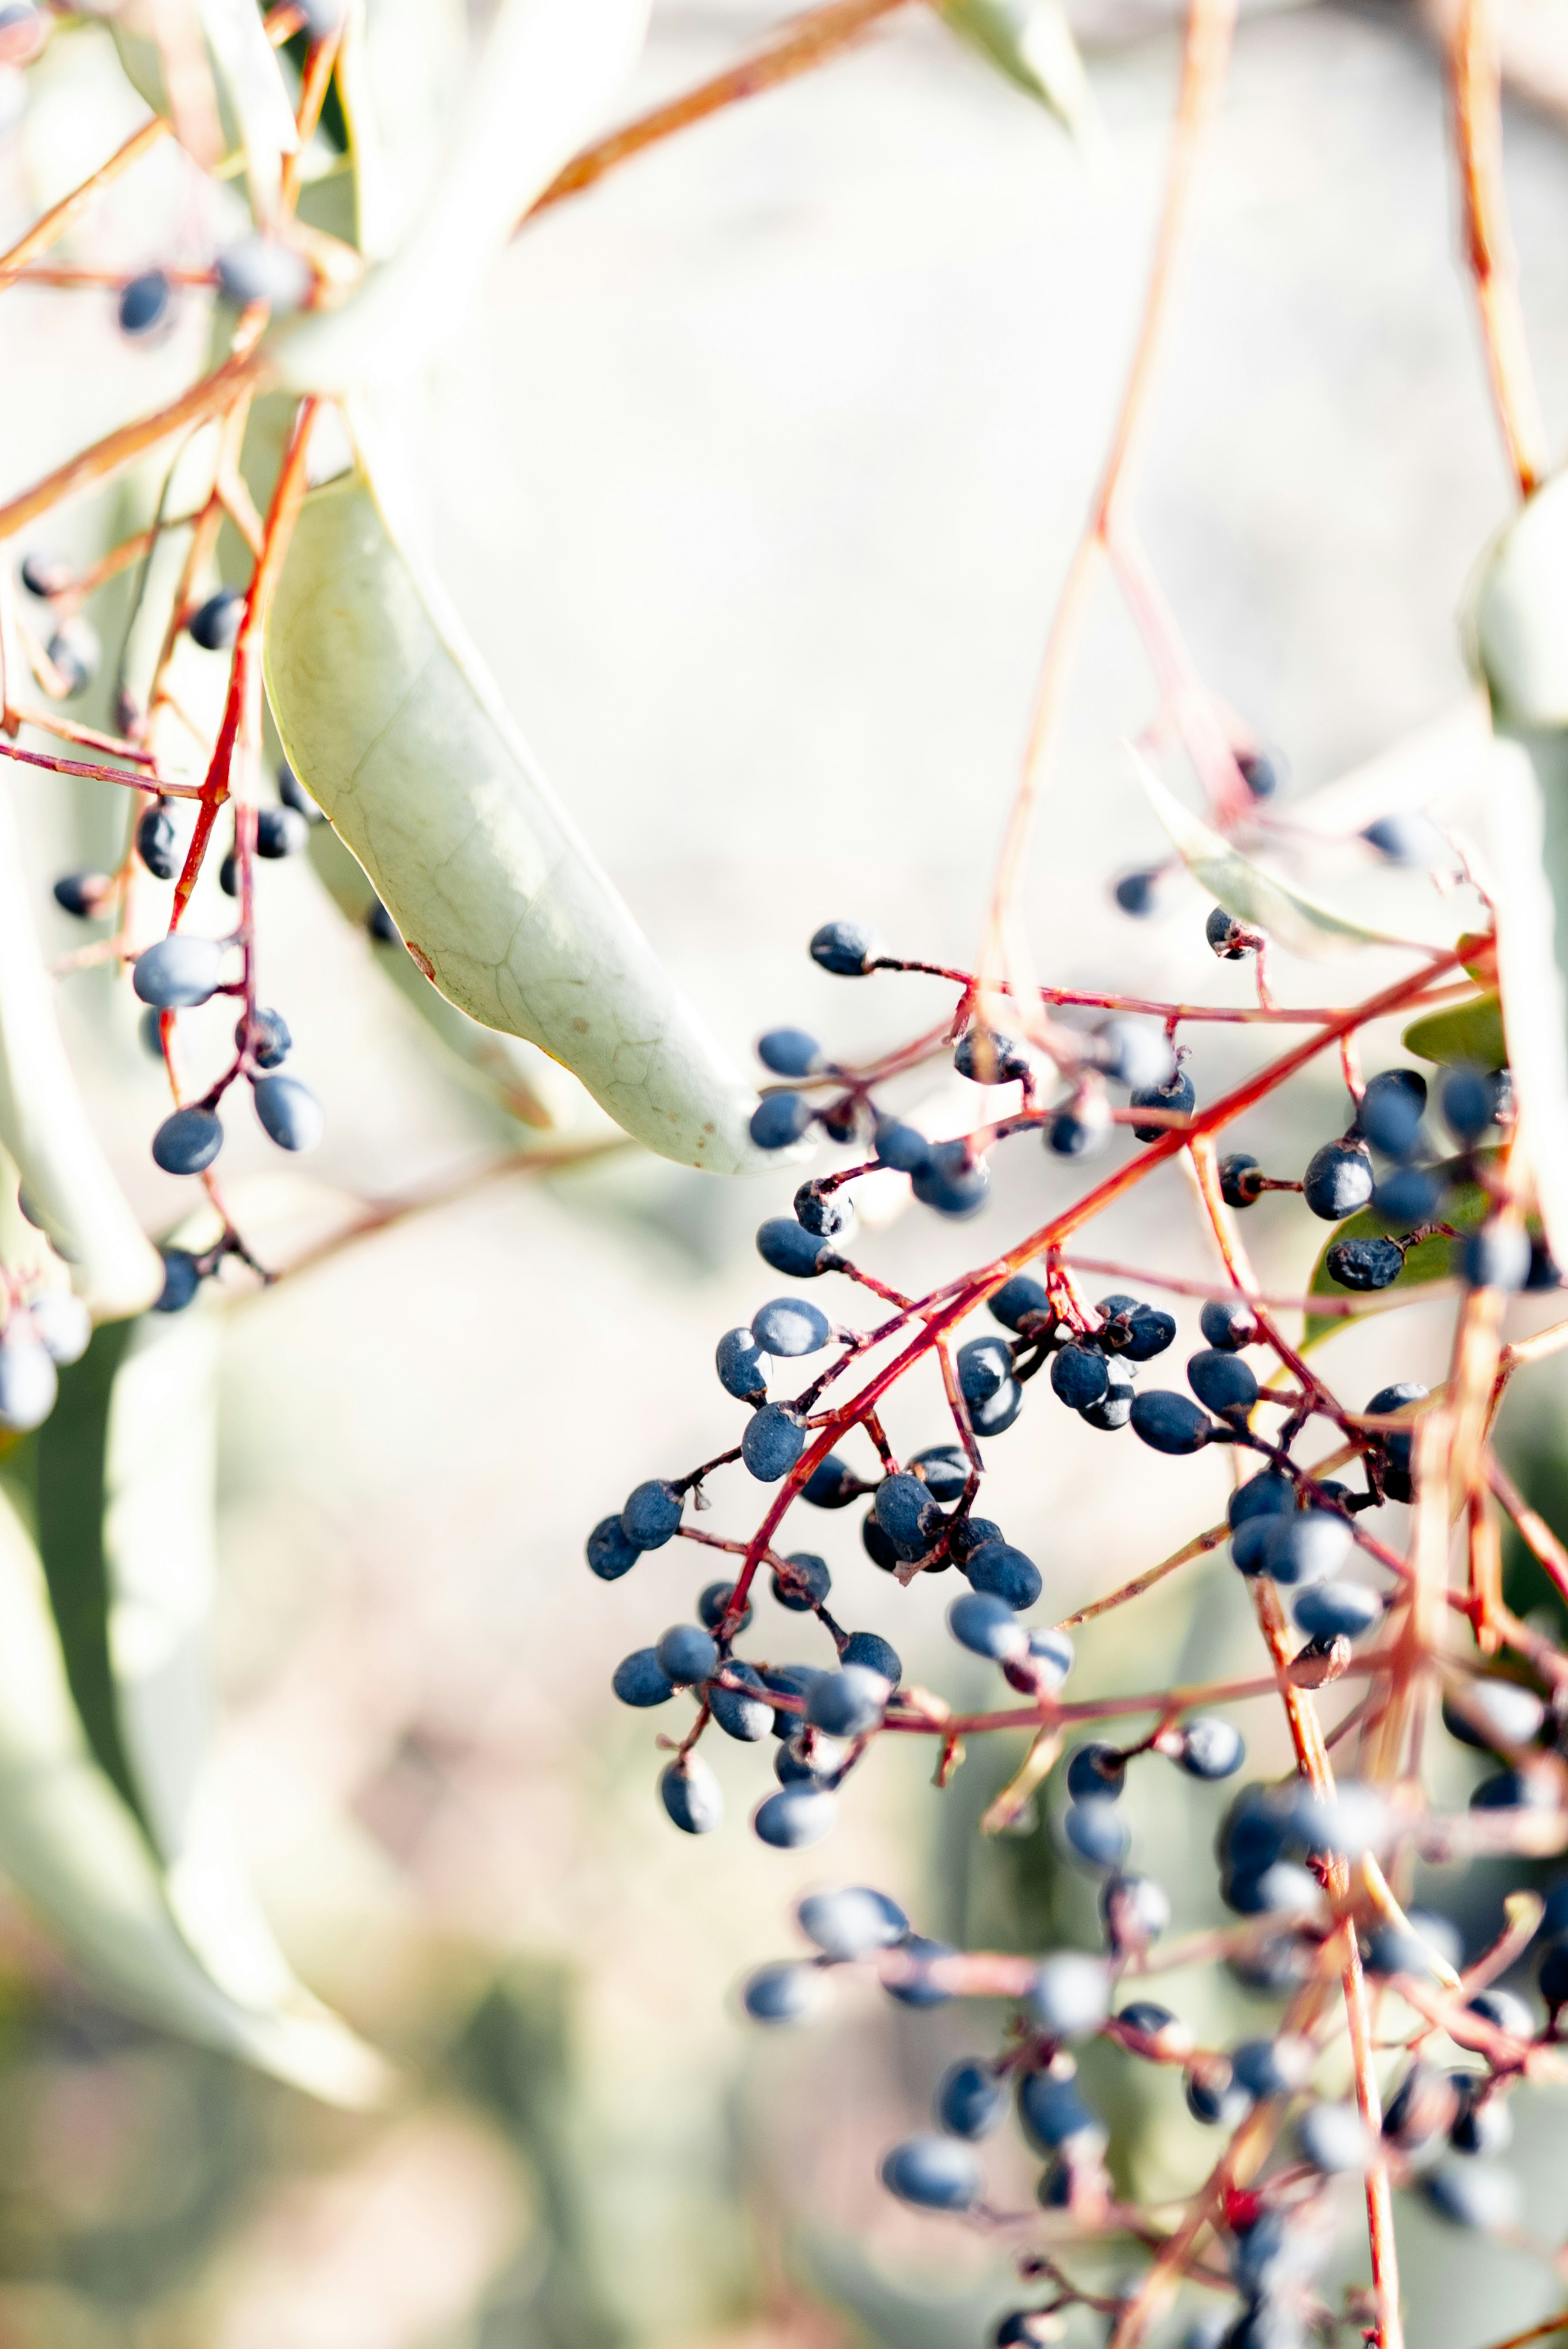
column 580, row 1027
column 423, row 960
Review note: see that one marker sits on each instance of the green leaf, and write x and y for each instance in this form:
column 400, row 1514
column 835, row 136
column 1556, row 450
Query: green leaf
column 1465, row 1207
column 1032, row 42
column 76, row 1852
column 390, row 721
column 1243, row 889
column 44, row 1126
column 1517, row 624
column 548, row 72
column 1469, row 1032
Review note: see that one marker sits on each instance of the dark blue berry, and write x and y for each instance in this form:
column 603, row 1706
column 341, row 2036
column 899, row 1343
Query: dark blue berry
column 83, row 896
column 902, row 1147
column 933, row 2173
column 851, row 1924
column 789, row 1248
column 1271, row 2067
column 877, row 1546
column 640, row 1679
column 849, row 1702
column 1136, row 1911
column 907, row 1514
column 1131, row 1052
column 1364, row 1264
column 773, row 1442
column 1338, row 1180
column 951, row 1181
column 747, row 1718
column 381, row 926
column 188, row 1141
column 1223, row 1382
column 1394, row 1446
column 652, row 1515
column 289, row 1112
column 1337, row 1610
column 76, row 652
column 690, row 1795
column 177, row 971
column 744, row 1369
column 1004, row 1573
column 1229, row 939
column 1071, row 1995
column 1229, row 1323
column 1211, row 1747
column 997, row 1416
column 794, row 1818
column 1241, row 1180
column 1495, row 1256
column 1268, row 1496
column 788, row 1992
column 1391, row 1109
column 1473, row 2194
column 1216, row 2097
column 920, row 1990
column 803, row 1584
column 829, row 1215
column 846, row 948
column 970, row 2101
column 1079, row 1376
column 983, row 1366
column 1053, row 2112
column 1114, row 1408
column 1020, row 1296
column 181, row 1280
column 610, row 1554
column 268, row 1038
column 989, row 1059
column 1098, row 1833
column 944, row 1469
column 1407, row 1196
column 988, row 1625
column 1481, row 2126
column 1168, row 1422
column 788, row 1680
column 1496, row 1713
column 1149, row 1332
column 779, row 1119
column 215, row 626
column 790, row 1053
column 1176, row 1094
column 1309, row 1545
column 1262, row 772
column 1082, row 1131
column 831, row 1484
column 1553, row 1976
column 1468, row 1099
column 713, row 1605
column 158, row 842
column 874, row 1654
column 293, row 794
column 1137, row 894
column 1096, row 1773
column 970, row 1534
column 1409, row 838
column 687, row 1654
column 790, row 1326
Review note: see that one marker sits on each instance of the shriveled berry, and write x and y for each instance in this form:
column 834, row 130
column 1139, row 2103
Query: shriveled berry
column 1364, row 1264
column 790, row 1053
column 188, row 1141
column 846, row 948
column 1168, row 1422
column 773, row 1442
column 779, row 1119
column 989, row 1059
column 690, row 1795
column 640, row 1679
column 830, row 1214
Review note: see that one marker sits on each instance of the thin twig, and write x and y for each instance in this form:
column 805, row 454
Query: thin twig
column 1478, row 135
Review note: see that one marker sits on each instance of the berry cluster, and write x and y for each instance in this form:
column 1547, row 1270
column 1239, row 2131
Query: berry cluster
column 1308, row 1867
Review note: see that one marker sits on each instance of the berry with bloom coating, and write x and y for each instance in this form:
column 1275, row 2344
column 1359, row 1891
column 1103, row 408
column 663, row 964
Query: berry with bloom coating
column 996, row 1416
column 846, row 948
column 988, row 1625
column 791, row 1991
column 640, row 1679
column 1016, row 1297
column 686, row 1653
column 610, row 1554
column 794, row 1818
column 713, row 1605
column 1229, row 1323
column 1495, row 1256
column 942, row 1469
column 215, row 626
column 870, row 1650
column 1211, row 1747
column 1336, row 1611
column 933, row 2173
column 953, row 1181
column 802, row 1583
column 983, row 1366
column 29, row 1383
column 1079, row 1376
column 1390, row 1111
column 789, row 1051
column 849, row 1702
column 1333, row 2140
column 62, row 1326
column 1176, row 1094
column 1307, row 1546
column 902, row 1147
column 790, row 1326
column 289, row 1112
column 1114, row 1408
column 852, row 1923
column 177, row 971
column 188, row 1141
column 907, row 1514
column 831, row 1484
column 789, row 1248
column 1004, row 1573
column 1473, row 2194
column 1241, row 1180
column 1071, row 1995
column 690, row 1795
column 1168, row 1422
column 780, row 1120
column 259, row 269
column 1053, row 2114
column 1468, row 1099
column 970, row 2101
column 652, row 1514
column 1223, row 1382
column 1338, row 1180
column 1097, row 1831
column 1096, row 1773
column 744, row 1369
column 772, row 1443
column 747, row 1718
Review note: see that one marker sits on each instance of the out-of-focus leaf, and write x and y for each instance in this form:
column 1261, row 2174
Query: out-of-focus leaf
column 546, row 75
column 1243, row 889
column 1032, row 42
column 44, row 1126
column 528, row 1085
column 391, row 722
column 1518, row 617
column 1469, row 1032
column 399, row 76
column 1464, row 1207
column 76, row 1852
column 250, row 78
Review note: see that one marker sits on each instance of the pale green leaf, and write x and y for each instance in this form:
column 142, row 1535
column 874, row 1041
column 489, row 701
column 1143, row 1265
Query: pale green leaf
column 1244, row 889
column 1471, row 1031
column 1032, row 42
column 1517, row 619
column 77, row 1855
column 44, row 1126
column 251, row 80
column 391, row 722
column 548, row 72
column 1528, row 821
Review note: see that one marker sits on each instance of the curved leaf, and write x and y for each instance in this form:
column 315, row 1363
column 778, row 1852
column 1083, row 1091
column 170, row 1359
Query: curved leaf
column 390, row 721
column 546, row 74
column 1469, row 1032
column 1243, row 889
column 75, row 1852
column 44, row 1126
column 1517, row 624
column 1465, row 1207
column 254, row 116
column 1032, row 42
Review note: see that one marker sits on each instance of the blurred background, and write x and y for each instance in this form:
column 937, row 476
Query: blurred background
column 755, row 483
